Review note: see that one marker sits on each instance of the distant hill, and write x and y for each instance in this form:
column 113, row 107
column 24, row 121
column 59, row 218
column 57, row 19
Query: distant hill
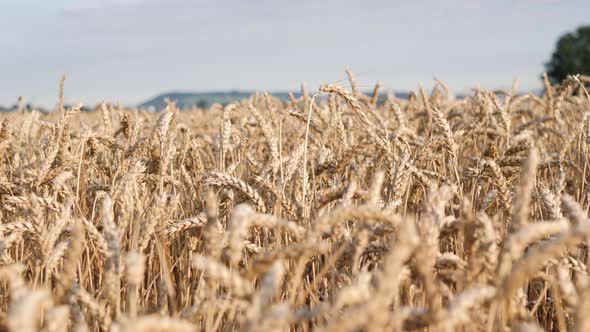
column 201, row 99
column 206, row 99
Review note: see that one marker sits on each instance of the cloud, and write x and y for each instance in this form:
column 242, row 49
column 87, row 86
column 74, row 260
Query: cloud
column 82, row 5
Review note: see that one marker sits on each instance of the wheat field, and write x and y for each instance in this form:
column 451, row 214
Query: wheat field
column 335, row 211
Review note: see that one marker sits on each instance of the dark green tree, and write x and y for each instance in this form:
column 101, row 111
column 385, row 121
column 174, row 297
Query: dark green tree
column 202, row 103
column 571, row 55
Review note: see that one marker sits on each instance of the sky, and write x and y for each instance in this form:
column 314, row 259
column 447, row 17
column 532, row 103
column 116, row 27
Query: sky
column 131, row 50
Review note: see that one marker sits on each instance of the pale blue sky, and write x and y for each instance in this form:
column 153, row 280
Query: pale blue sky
column 130, row 50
